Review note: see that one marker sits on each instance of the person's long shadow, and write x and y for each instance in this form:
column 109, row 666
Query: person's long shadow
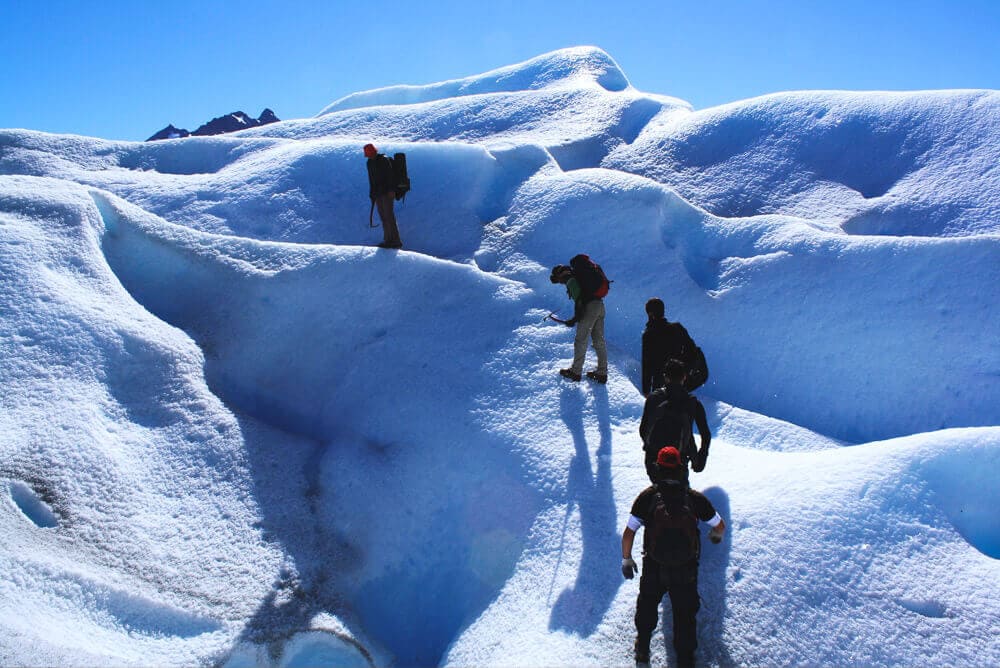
column 712, row 588
column 580, row 608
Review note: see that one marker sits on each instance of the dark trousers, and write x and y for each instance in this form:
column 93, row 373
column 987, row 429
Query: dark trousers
column 384, row 203
column 681, row 582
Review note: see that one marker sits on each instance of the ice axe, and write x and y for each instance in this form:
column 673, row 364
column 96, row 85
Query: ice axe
column 552, row 316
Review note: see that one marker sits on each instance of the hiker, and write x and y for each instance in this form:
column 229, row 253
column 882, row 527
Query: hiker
column 671, row 546
column 666, row 420
column 382, row 192
column 588, row 317
column 663, row 340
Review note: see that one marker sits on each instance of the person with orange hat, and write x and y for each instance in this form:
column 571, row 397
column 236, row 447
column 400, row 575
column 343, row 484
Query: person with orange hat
column 382, row 192
column 671, row 547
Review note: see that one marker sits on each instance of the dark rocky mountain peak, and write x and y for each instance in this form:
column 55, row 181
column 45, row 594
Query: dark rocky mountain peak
column 169, row 132
column 233, row 122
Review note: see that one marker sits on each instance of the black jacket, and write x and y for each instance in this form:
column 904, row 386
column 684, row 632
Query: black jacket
column 694, row 410
column 380, row 179
column 662, row 340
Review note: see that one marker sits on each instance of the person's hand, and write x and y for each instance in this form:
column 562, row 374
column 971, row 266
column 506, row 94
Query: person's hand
column 700, row 459
column 629, row 569
column 571, row 322
column 715, row 536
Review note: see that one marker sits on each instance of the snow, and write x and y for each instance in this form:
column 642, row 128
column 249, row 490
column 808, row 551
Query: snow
column 234, row 432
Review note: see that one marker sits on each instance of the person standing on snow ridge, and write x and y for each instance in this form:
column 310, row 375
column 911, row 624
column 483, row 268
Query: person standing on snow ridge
column 663, row 340
column 382, row 192
column 671, row 547
column 588, row 317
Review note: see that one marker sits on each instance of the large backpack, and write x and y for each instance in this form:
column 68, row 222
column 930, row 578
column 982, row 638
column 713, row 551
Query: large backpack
column 671, row 425
column 697, row 368
column 672, row 537
column 400, row 178
column 590, row 276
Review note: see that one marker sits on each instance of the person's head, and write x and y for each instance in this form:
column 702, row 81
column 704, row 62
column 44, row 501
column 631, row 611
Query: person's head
column 560, row 273
column 654, row 308
column 669, row 466
column 370, row 151
column 674, row 371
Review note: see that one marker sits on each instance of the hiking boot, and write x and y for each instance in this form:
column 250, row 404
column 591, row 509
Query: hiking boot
column 601, row 378
column 569, row 373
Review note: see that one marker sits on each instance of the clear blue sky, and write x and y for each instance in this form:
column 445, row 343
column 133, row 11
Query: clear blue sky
column 123, row 69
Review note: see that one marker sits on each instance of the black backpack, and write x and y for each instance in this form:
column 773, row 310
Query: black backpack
column 672, row 537
column 399, row 176
column 671, row 425
column 697, row 368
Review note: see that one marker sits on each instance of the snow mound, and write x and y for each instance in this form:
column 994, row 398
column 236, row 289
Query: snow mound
column 578, row 66
column 870, row 163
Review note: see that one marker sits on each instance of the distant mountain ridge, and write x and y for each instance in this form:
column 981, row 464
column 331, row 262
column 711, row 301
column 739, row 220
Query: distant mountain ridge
column 233, row 122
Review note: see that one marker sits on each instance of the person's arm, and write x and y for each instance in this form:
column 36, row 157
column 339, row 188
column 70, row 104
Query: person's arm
column 574, row 292
column 628, row 539
column 698, row 465
column 629, row 569
column 647, row 362
column 648, row 418
column 381, row 176
column 705, row 512
column 716, row 532
column 371, row 179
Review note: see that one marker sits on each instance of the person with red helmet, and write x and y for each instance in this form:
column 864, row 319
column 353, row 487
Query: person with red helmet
column 670, row 512
column 382, row 192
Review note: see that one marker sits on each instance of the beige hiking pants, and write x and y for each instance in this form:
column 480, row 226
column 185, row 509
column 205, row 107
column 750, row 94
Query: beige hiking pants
column 591, row 326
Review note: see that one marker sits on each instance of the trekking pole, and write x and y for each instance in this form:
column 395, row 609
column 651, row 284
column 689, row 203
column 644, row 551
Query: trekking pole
column 371, row 216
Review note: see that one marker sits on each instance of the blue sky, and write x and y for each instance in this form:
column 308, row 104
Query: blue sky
column 125, row 69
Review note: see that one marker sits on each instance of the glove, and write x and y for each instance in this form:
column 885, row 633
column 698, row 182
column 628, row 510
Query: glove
column 629, row 569
column 698, row 465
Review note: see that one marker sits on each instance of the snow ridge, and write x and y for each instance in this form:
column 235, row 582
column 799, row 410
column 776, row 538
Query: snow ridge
column 576, row 67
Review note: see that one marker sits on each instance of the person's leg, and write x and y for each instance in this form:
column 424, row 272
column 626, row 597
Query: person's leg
column 647, row 608
column 597, row 335
column 684, row 601
column 390, row 232
column 584, row 327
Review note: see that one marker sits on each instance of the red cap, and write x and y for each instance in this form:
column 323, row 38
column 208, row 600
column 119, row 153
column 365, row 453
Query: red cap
column 669, row 458
column 370, row 151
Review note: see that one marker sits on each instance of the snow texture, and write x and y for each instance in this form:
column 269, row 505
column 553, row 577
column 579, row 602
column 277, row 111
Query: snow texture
column 233, row 432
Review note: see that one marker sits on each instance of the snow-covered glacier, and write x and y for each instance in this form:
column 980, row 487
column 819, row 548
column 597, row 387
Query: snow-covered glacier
column 233, row 432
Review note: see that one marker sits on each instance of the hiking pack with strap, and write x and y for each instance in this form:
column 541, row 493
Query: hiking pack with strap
column 671, row 424
column 697, row 368
column 672, row 537
column 593, row 283
column 400, row 178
